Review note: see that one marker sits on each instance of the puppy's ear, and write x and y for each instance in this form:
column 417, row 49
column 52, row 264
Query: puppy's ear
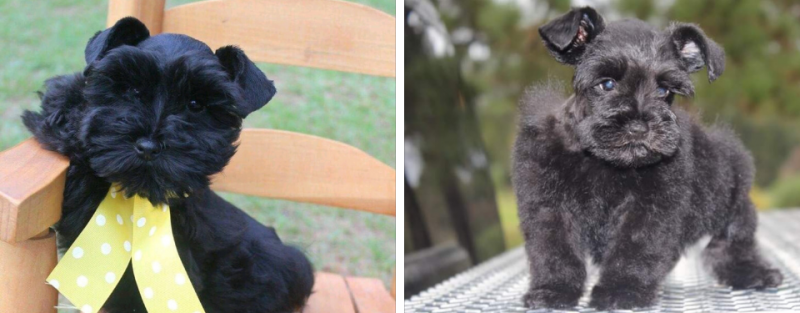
column 127, row 31
column 257, row 90
column 566, row 37
column 694, row 50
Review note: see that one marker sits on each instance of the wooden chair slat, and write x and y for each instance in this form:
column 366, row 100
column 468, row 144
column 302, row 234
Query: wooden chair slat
column 394, row 283
column 304, row 168
column 369, row 295
column 328, row 34
column 150, row 12
column 31, row 190
column 330, row 294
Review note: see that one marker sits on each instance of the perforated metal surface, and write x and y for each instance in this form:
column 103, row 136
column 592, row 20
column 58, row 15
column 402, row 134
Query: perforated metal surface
column 498, row 285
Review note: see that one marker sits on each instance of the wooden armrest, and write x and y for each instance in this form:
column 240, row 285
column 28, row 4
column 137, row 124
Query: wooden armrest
column 269, row 163
column 304, row 168
column 31, row 190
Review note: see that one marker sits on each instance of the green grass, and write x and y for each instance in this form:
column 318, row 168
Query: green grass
column 785, row 193
column 507, row 209
column 41, row 39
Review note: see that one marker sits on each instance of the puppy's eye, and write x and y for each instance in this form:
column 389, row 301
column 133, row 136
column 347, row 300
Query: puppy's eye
column 662, row 92
column 195, row 106
column 135, row 92
column 607, row 85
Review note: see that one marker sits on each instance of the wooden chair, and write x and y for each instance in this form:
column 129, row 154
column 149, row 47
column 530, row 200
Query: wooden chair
column 328, row 34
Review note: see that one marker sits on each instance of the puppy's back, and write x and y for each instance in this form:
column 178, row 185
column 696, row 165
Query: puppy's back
column 539, row 101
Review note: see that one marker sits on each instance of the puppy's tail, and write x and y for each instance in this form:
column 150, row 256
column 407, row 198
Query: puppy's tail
column 53, row 126
column 541, row 100
column 302, row 273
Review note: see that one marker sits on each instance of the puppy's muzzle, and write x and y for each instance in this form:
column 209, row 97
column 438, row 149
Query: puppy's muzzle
column 147, row 148
column 637, row 128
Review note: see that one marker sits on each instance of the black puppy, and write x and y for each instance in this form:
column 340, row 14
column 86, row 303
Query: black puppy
column 159, row 115
column 618, row 174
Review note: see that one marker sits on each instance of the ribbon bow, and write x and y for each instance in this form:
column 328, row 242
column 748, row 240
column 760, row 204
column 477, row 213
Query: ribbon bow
column 122, row 229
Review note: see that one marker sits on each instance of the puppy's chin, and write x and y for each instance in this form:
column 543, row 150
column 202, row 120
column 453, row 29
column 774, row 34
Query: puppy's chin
column 156, row 181
column 613, row 141
column 632, row 155
column 156, row 189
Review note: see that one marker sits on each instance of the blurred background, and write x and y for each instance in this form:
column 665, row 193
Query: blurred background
column 467, row 63
column 41, row 39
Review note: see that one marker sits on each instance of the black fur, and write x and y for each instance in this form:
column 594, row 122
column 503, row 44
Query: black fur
column 175, row 91
column 624, row 177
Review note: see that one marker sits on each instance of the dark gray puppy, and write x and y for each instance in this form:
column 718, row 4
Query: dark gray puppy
column 618, row 174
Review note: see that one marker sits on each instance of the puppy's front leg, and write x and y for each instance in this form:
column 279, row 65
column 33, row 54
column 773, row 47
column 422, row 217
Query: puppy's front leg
column 557, row 268
column 644, row 248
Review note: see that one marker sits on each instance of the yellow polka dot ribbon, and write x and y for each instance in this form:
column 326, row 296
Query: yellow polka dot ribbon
column 124, row 229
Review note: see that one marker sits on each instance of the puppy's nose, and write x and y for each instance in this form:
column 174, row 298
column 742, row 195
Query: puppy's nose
column 637, row 127
column 147, row 148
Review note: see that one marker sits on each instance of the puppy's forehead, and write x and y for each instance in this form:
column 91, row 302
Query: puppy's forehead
column 176, row 54
column 173, row 46
column 629, row 30
column 634, row 40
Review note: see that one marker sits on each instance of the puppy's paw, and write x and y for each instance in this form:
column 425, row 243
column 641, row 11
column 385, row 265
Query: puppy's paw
column 622, row 298
column 552, row 299
column 750, row 276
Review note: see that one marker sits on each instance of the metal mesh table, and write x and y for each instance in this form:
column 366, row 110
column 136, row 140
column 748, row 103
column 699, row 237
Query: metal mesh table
column 498, row 284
